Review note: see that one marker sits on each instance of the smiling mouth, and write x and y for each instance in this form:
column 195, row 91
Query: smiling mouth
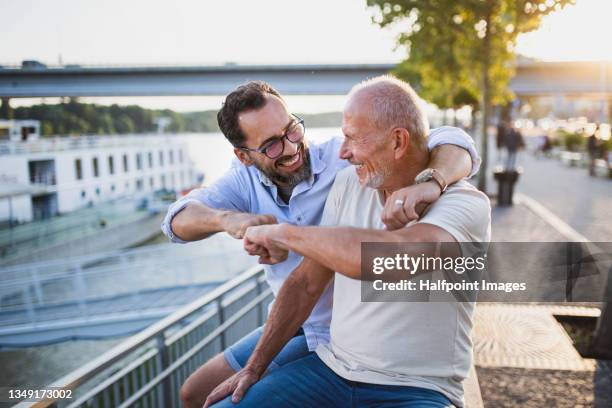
column 292, row 160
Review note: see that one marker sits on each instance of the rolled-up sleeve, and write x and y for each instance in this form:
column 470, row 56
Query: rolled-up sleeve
column 228, row 193
column 457, row 137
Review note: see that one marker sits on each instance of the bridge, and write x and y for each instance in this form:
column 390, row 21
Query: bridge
column 533, row 78
column 168, row 81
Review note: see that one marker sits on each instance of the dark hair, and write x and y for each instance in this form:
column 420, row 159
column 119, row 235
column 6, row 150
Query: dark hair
column 250, row 96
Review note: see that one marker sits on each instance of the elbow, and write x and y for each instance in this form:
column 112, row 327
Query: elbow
column 183, row 227
column 466, row 165
column 178, row 228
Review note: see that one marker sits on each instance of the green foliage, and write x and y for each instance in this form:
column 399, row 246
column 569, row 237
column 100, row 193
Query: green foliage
column 465, row 97
column 462, row 45
column 606, row 145
column 452, row 44
column 75, row 118
column 573, row 141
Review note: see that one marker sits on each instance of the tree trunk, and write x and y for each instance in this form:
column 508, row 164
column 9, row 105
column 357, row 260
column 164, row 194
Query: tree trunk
column 5, row 110
column 486, row 104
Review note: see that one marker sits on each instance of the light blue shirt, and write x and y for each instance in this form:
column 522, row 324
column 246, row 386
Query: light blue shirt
column 246, row 189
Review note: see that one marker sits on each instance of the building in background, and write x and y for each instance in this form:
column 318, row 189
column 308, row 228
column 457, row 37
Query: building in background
column 63, row 174
column 19, row 130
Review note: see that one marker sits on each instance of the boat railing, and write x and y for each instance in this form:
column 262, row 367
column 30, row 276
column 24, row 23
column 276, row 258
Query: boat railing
column 65, row 143
column 147, row 369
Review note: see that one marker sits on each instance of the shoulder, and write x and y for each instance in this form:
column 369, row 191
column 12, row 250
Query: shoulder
column 345, row 185
column 463, row 211
column 331, row 145
column 328, row 152
column 347, row 179
column 463, row 191
column 237, row 173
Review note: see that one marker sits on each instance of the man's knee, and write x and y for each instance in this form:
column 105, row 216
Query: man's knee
column 200, row 383
column 190, row 394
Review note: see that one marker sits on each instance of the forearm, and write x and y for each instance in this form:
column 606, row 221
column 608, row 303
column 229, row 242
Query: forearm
column 337, row 248
column 197, row 221
column 452, row 162
column 292, row 306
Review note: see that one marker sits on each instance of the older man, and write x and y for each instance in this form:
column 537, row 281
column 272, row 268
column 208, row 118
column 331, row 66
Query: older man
column 281, row 177
column 381, row 353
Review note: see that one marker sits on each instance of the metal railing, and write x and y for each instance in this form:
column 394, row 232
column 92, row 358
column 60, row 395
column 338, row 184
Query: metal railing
column 118, row 286
column 147, row 369
column 66, row 143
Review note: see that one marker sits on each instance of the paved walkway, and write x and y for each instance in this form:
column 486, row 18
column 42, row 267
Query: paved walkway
column 528, row 336
column 581, row 201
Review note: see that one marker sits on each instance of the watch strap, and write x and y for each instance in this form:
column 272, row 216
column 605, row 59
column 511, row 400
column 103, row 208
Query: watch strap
column 435, row 174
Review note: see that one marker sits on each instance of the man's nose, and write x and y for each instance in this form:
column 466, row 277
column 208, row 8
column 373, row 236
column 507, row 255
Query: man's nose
column 291, row 148
column 345, row 153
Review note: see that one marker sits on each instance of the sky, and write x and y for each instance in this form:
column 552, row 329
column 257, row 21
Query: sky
column 200, row 32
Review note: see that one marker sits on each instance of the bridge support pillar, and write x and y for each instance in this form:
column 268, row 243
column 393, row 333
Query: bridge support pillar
column 558, row 104
column 5, row 109
column 604, row 108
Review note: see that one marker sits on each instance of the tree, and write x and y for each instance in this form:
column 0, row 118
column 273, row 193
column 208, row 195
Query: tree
column 463, row 44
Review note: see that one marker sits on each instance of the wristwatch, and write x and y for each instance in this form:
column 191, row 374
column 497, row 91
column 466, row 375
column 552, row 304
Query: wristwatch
column 431, row 174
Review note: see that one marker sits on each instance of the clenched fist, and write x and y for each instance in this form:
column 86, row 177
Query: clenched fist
column 265, row 241
column 236, row 224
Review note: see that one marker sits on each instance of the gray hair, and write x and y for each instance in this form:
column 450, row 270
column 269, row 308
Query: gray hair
column 394, row 104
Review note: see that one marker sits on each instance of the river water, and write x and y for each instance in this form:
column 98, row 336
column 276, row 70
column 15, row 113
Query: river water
column 40, row 366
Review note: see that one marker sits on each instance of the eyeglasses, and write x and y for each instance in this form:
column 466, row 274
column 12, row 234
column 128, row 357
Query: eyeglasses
column 275, row 147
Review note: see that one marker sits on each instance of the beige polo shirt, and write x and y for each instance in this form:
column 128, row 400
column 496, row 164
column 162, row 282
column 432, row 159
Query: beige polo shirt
column 417, row 344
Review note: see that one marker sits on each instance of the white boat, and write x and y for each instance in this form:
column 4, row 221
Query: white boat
column 60, row 184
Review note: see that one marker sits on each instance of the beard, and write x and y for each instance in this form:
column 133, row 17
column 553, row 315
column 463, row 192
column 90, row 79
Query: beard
column 291, row 179
column 370, row 177
column 374, row 180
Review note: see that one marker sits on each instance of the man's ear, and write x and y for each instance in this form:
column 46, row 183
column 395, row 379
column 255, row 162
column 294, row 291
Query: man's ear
column 401, row 140
column 243, row 156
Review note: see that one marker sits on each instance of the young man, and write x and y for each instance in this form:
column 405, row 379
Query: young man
column 282, row 178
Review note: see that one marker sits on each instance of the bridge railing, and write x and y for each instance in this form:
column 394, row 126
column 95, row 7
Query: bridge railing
column 148, row 369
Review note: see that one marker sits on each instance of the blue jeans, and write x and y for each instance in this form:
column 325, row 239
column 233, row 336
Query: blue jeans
column 308, row 382
column 237, row 354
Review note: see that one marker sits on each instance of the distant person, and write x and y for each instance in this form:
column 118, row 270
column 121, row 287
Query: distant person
column 502, row 128
column 280, row 177
column 547, row 146
column 513, row 141
column 543, row 147
column 593, row 149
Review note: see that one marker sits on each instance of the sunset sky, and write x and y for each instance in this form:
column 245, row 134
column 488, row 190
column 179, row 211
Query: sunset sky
column 150, row 32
